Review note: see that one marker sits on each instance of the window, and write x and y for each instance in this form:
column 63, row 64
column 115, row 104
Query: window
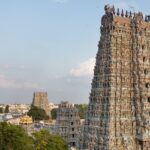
column 145, row 71
column 147, row 85
column 73, row 144
column 148, row 99
column 71, row 123
column 140, row 144
column 143, row 47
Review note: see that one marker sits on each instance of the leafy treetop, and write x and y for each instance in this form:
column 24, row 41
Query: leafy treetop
column 37, row 113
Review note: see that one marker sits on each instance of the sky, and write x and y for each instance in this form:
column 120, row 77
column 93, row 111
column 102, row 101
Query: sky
column 50, row 45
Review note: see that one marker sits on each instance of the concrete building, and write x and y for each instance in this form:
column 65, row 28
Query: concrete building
column 14, row 121
column 19, row 108
column 118, row 116
column 40, row 99
column 53, row 106
column 68, row 123
column 1, row 117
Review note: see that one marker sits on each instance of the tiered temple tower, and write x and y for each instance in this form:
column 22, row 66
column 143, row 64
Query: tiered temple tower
column 68, row 123
column 118, row 116
column 40, row 99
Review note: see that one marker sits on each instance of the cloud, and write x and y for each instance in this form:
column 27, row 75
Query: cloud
column 84, row 69
column 12, row 66
column 9, row 83
column 6, row 66
column 57, row 77
column 4, row 83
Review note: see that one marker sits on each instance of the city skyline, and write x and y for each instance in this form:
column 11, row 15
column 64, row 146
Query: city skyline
column 50, row 46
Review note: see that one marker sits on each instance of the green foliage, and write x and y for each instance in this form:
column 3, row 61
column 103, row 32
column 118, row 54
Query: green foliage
column 14, row 138
column 57, row 143
column 37, row 113
column 82, row 110
column 54, row 113
column 6, row 109
column 45, row 141
column 1, row 110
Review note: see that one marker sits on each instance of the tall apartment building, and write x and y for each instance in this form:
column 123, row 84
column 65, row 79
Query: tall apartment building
column 118, row 116
column 40, row 99
column 68, row 123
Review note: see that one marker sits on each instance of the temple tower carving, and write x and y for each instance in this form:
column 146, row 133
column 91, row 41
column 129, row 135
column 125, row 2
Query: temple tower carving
column 118, row 116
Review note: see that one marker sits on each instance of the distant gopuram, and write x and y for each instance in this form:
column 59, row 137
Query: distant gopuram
column 40, row 99
column 118, row 116
column 68, row 124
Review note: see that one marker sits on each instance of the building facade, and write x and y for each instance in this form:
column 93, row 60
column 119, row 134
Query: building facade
column 118, row 116
column 40, row 99
column 68, row 123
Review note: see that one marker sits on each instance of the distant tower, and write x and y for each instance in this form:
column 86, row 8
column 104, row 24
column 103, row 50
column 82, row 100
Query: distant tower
column 118, row 116
column 68, row 123
column 40, row 99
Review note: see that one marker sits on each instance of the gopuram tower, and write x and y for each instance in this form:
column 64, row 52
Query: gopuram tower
column 40, row 99
column 118, row 116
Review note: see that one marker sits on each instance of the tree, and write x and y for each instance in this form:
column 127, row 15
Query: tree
column 82, row 110
column 1, row 110
column 6, row 109
column 45, row 141
column 14, row 138
column 37, row 113
column 54, row 113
